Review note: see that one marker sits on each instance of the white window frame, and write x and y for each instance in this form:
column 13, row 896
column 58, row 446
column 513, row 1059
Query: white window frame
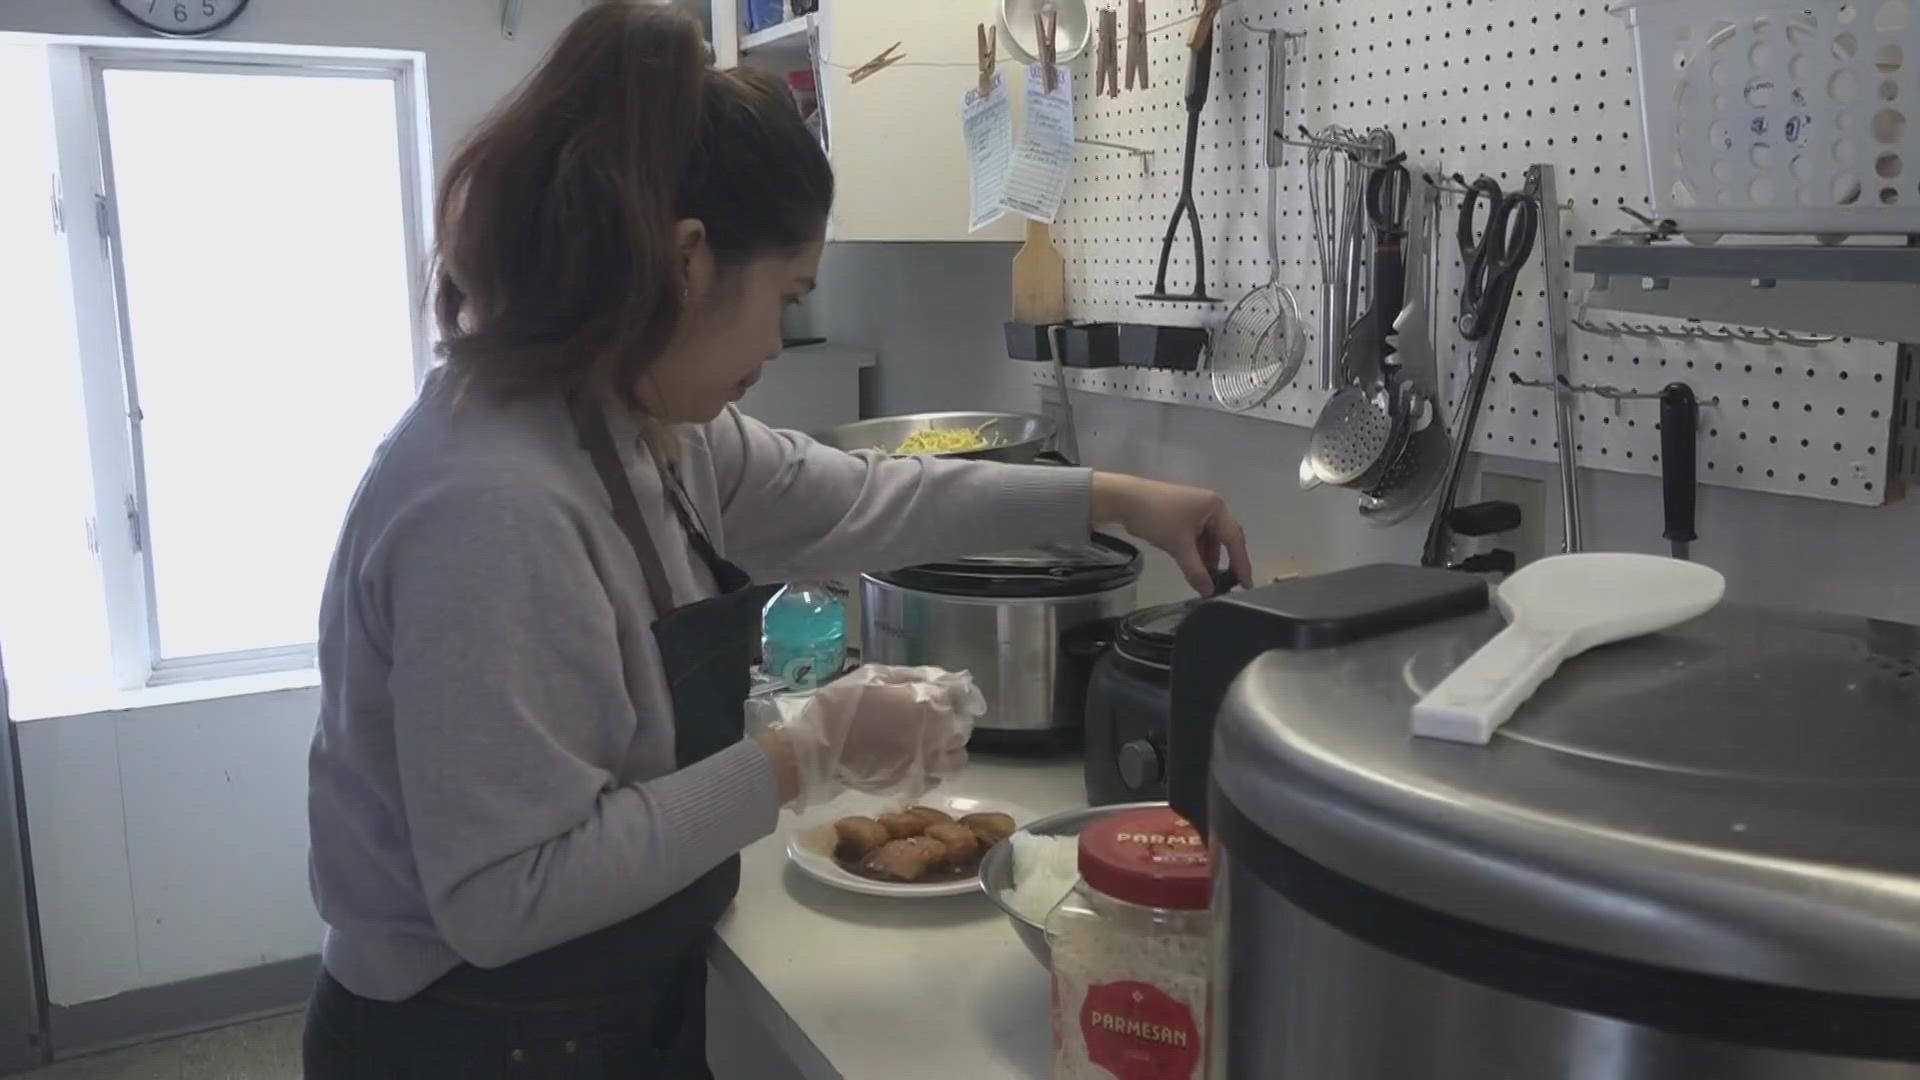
column 120, row 535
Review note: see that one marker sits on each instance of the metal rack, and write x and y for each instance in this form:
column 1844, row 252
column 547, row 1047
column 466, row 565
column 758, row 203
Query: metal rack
column 1486, row 88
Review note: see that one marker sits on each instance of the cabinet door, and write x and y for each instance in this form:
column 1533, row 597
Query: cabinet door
column 899, row 158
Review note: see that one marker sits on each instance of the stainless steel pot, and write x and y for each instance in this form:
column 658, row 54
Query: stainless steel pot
column 1018, row 438
column 1003, row 621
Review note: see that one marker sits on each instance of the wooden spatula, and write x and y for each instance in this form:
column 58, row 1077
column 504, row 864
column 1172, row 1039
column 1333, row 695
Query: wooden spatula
column 1039, row 278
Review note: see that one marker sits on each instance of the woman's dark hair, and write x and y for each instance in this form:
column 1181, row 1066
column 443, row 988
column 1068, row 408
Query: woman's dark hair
column 557, row 264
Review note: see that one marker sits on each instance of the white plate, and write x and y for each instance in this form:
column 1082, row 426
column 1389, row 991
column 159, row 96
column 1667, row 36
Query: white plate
column 810, row 844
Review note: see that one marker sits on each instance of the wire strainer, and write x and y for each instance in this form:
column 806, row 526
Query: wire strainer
column 1258, row 350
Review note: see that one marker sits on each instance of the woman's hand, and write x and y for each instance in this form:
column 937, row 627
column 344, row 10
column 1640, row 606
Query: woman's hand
column 880, row 730
column 1191, row 524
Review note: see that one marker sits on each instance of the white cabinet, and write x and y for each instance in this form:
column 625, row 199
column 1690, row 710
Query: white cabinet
column 899, row 160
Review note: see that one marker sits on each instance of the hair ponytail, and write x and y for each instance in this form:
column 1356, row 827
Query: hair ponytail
column 557, row 263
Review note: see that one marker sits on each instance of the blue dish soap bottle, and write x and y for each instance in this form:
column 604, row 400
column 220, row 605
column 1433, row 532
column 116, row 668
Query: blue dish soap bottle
column 803, row 635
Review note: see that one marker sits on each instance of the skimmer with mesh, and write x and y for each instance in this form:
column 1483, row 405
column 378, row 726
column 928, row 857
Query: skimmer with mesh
column 1257, row 351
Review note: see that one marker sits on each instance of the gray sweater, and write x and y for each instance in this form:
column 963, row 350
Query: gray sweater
column 481, row 785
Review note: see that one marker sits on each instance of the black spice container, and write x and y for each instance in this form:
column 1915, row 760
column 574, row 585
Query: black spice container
column 1029, row 341
column 1092, row 345
column 1175, row 348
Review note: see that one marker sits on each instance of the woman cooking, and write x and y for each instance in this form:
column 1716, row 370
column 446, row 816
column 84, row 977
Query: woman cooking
column 529, row 779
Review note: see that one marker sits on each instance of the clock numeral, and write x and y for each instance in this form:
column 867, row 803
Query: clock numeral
column 151, row 4
column 179, row 13
column 208, row 8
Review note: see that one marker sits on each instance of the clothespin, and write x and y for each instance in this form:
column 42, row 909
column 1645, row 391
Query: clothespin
column 1106, row 75
column 884, row 60
column 1202, row 35
column 988, row 44
column 1137, row 42
column 1046, row 26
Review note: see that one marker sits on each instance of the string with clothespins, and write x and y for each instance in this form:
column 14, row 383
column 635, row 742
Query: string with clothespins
column 895, row 57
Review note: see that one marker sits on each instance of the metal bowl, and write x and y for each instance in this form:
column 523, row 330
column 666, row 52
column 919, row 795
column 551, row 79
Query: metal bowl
column 1021, row 436
column 996, row 869
column 1074, row 26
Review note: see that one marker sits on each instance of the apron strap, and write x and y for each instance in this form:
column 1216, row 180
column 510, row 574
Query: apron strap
column 591, row 425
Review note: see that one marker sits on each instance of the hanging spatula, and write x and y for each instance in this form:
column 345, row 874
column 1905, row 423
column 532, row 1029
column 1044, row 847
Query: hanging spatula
column 1557, row 609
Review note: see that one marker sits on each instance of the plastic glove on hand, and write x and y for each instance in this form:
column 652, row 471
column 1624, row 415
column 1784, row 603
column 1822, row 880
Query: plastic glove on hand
column 884, row 731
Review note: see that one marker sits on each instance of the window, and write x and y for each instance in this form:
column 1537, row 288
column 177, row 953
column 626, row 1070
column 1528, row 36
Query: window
column 245, row 326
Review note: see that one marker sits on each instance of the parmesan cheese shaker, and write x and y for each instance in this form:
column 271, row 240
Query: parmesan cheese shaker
column 1132, row 953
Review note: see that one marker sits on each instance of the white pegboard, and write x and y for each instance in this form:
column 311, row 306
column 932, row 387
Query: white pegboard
column 1469, row 86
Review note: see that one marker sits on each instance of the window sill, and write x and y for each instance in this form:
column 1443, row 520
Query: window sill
column 27, row 707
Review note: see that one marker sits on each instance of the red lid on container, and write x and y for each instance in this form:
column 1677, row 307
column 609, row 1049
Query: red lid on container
column 1153, row 858
column 800, row 79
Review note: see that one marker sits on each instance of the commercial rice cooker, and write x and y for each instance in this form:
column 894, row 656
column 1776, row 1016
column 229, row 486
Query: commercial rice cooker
column 1003, row 617
column 1692, row 855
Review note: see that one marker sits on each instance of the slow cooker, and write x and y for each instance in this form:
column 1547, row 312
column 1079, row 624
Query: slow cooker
column 1002, row 617
column 1689, row 855
column 1128, row 699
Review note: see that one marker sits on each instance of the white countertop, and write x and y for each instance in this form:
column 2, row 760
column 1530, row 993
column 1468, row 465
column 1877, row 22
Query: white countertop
column 864, row 988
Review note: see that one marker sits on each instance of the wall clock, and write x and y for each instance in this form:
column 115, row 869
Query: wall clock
column 181, row 18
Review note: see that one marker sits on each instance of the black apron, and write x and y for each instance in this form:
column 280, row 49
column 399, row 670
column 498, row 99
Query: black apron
column 628, row 1001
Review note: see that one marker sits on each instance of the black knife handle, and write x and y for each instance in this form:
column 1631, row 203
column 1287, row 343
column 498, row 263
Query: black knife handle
column 1484, row 519
column 1679, row 429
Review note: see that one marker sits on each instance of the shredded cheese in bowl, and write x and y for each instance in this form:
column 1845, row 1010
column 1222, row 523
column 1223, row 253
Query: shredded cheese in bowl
column 1045, row 869
column 949, row 441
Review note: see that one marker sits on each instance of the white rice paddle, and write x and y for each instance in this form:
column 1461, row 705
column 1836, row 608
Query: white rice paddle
column 1557, row 609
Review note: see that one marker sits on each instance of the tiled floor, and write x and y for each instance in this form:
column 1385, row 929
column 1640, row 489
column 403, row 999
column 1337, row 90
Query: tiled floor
column 264, row 1050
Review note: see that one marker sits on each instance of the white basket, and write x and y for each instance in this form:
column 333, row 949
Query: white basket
column 1771, row 116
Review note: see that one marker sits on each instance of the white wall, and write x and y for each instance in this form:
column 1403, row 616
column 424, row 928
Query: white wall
column 170, row 842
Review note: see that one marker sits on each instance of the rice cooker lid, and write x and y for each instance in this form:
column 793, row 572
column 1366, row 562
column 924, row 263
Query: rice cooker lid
column 1100, row 563
column 1733, row 798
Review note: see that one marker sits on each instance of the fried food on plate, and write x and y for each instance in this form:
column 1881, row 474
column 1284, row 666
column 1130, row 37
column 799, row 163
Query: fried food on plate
column 991, row 828
column 905, row 860
column 913, row 821
column 962, row 847
column 855, row 836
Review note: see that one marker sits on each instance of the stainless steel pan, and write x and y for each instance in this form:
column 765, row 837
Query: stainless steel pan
column 1017, row 437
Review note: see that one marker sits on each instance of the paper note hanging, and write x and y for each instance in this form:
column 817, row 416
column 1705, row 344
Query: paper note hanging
column 987, row 121
column 1043, row 160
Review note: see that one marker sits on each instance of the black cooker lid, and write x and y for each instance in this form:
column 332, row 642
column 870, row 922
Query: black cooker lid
column 1147, row 635
column 1101, row 563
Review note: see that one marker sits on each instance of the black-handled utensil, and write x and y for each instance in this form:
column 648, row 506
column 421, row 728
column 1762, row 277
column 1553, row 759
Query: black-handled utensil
column 1679, row 429
column 1389, row 190
column 1199, row 80
column 1493, row 261
column 1225, row 581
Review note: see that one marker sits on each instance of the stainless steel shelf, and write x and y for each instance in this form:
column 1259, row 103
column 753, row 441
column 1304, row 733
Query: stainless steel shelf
column 1870, row 292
